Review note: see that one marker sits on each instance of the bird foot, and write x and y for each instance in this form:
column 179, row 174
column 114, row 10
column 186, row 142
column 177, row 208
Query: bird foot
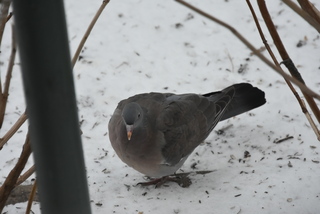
column 181, row 179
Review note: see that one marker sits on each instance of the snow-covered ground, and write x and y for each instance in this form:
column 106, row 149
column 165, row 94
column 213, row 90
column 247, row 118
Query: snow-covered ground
column 141, row 46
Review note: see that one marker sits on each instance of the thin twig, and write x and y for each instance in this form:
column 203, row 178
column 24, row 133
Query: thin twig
column 302, row 13
column 262, row 35
column 86, row 35
column 285, row 56
column 4, row 97
column 300, row 101
column 9, row 16
column 31, row 197
column 13, row 129
column 254, row 50
column 310, row 9
column 11, row 63
column 283, row 139
column 25, row 175
column 231, row 61
column 313, row 125
column 5, row 5
column 12, row 177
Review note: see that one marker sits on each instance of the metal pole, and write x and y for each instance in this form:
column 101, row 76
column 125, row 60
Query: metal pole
column 51, row 106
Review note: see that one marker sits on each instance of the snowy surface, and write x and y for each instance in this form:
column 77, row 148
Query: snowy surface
column 141, row 46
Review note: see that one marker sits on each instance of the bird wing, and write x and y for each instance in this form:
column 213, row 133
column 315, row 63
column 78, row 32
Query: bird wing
column 186, row 120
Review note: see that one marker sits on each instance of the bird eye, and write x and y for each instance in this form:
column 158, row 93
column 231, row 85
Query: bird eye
column 139, row 115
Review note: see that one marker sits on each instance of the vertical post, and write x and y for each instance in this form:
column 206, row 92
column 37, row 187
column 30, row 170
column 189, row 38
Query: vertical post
column 51, row 106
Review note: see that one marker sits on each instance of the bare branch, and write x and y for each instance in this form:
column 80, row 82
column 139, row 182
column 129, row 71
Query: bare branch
column 32, row 195
column 272, row 55
column 254, row 50
column 25, row 176
column 4, row 9
column 13, row 129
column 285, row 56
column 303, row 14
column 313, row 125
column 87, row 33
column 11, row 180
column 4, row 97
column 310, row 9
column 300, row 101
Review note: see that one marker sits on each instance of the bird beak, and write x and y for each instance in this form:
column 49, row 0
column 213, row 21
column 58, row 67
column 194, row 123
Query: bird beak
column 129, row 131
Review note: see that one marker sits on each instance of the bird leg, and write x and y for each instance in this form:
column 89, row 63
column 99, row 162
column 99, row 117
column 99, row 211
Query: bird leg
column 181, row 179
column 157, row 182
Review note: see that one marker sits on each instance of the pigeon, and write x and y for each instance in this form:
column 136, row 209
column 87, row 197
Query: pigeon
column 154, row 133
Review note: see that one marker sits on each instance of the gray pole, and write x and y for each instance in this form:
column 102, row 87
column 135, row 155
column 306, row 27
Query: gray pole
column 51, row 106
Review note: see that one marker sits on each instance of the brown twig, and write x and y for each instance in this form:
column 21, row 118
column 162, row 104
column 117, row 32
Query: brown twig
column 13, row 129
column 300, row 101
column 254, row 50
column 25, row 175
column 11, row 180
column 285, row 56
column 4, row 9
column 313, row 125
column 282, row 140
column 87, row 33
column 31, row 197
column 5, row 94
column 303, row 14
column 9, row 16
column 310, row 9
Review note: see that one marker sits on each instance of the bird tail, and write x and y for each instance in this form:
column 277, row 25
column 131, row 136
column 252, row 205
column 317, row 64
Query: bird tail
column 245, row 98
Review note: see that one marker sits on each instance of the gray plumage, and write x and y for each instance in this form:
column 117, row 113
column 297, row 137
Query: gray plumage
column 156, row 132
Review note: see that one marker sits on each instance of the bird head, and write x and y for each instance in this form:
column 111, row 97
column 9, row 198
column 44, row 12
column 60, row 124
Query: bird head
column 132, row 116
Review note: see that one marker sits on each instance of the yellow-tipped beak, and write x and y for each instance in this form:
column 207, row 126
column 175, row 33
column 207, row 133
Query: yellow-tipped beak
column 129, row 133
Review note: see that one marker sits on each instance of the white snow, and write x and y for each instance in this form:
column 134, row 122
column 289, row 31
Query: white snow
column 142, row 46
